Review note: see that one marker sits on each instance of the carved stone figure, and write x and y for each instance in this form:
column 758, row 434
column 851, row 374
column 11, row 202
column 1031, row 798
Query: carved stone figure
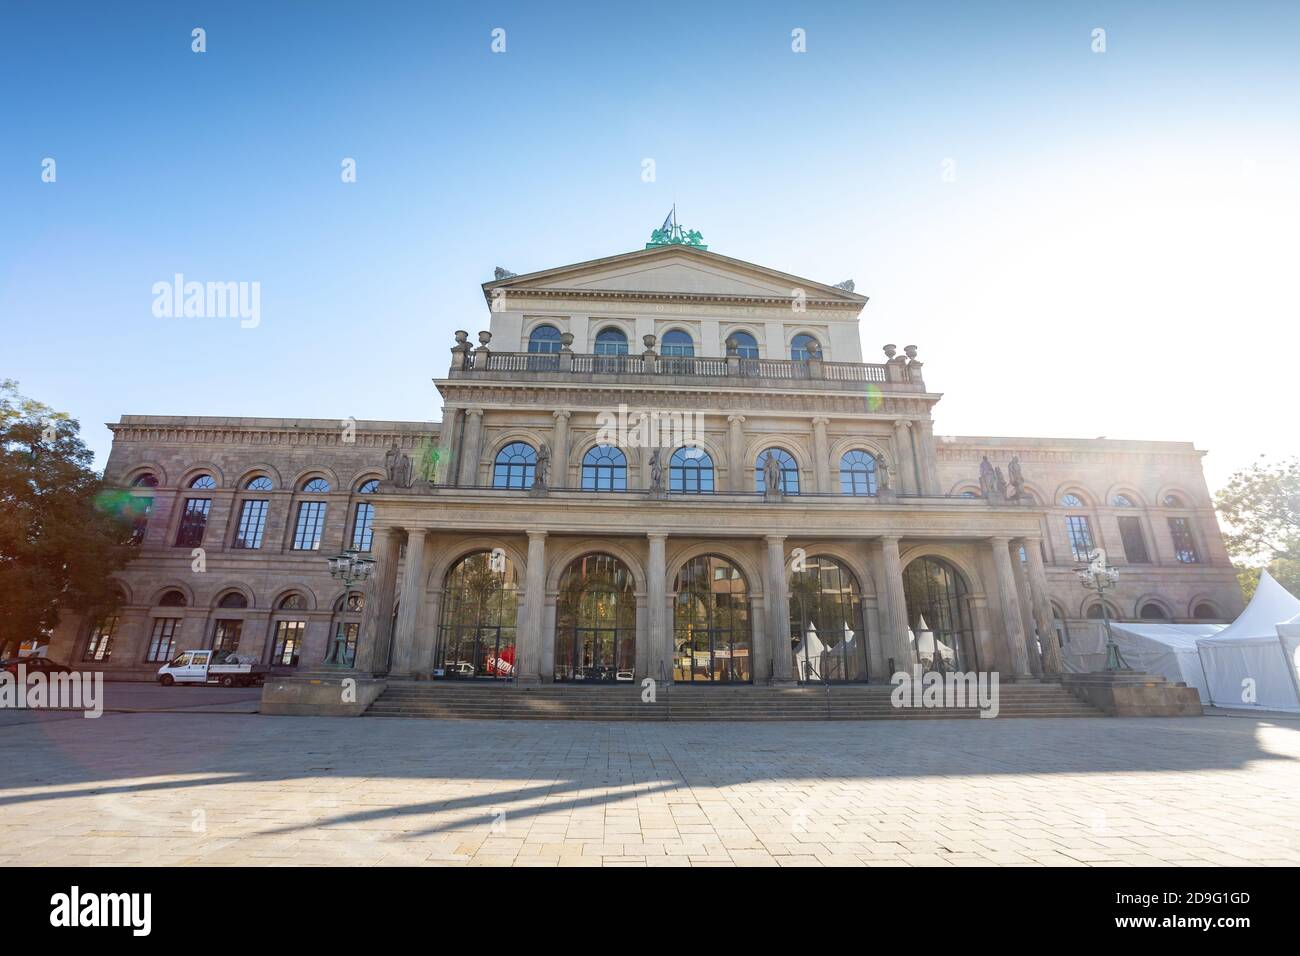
column 882, row 475
column 501, row 273
column 847, row 285
column 656, row 474
column 999, row 485
column 541, row 468
column 987, row 478
column 773, row 480
column 397, row 467
column 1015, row 479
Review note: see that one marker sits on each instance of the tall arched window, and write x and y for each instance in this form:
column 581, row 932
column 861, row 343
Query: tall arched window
column 604, row 468
column 480, row 610
column 363, row 518
column 165, row 629
column 789, row 470
column 345, row 628
column 690, row 472
column 611, row 341
column 711, row 626
column 203, row 482
column 804, row 346
column 595, row 621
column 147, row 480
column 858, row 473
column 678, row 342
column 938, row 619
column 746, row 345
column 826, row 633
column 544, row 338
column 290, row 630
column 515, row 466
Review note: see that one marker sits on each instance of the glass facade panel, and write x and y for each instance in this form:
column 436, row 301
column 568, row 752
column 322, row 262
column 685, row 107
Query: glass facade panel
column 595, row 626
column 938, row 624
column 515, row 466
column 604, row 468
column 226, row 636
column 690, row 472
column 363, row 534
column 827, row 638
column 162, row 639
column 1080, row 533
column 480, row 609
column 311, row 522
column 100, row 645
column 1135, row 545
column 858, row 473
column 287, row 644
column 194, row 521
column 1184, row 543
column 252, row 522
column 711, row 623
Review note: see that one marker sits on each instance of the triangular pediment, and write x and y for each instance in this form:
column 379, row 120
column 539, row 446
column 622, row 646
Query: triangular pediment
column 673, row 270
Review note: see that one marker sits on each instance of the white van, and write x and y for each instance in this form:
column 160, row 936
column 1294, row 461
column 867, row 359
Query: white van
column 211, row 667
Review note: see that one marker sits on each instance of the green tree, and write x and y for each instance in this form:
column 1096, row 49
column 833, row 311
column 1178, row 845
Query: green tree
column 62, row 532
column 1261, row 507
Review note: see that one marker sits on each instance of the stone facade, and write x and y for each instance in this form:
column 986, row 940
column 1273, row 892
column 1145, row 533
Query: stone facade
column 774, row 362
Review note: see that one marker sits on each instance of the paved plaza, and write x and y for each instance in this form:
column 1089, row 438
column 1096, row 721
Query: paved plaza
column 231, row 788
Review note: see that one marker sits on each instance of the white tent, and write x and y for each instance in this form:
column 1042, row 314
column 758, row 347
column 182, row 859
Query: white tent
column 1248, row 664
column 1288, row 633
column 1168, row 650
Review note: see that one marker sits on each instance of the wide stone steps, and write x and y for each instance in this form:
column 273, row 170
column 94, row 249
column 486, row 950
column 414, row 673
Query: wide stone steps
column 473, row 701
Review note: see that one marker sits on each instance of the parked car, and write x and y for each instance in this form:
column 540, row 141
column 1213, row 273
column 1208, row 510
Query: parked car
column 35, row 665
column 210, row 667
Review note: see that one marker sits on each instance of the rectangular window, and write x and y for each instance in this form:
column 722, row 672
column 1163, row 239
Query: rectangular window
column 1135, row 546
column 162, row 642
column 226, row 636
column 1184, row 543
column 194, row 521
column 100, row 645
column 1080, row 536
column 362, row 530
column 311, row 521
column 288, row 642
column 252, row 522
column 141, row 508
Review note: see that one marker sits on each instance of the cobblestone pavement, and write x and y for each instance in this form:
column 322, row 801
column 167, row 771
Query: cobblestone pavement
column 188, row 788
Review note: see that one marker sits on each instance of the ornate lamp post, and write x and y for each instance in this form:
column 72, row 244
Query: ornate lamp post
column 350, row 568
column 1098, row 576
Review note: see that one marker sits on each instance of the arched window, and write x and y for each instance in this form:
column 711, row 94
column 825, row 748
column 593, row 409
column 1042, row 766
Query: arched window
column 368, row 487
column 544, row 338
column 678, row 342
column 515, row 466
column 1071, row 500
column 711, row 627
column 147, row 480
column 611, row 341
column 789, row 471
column 203, row 482
column 1122, row 501
column 827, row 638
column 938, row 619
column 99, row 646
column 1174, row 501
column 293, row 602
column 346, row 628
column 316, row 486
column 260, row 483
column 595, row 622
column 1153, row 612
column 233, row 599
column 1094, row 612
column 480, row 609
column 604, row 468
column 363, row 517
column 804, row 346
column 690, row 472
column 172, row 599
column 746, row 345
column 1206, row 612
column 164, row 632
column 858, row 473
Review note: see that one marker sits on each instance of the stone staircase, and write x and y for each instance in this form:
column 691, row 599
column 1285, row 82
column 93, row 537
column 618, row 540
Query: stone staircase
column 482, row 701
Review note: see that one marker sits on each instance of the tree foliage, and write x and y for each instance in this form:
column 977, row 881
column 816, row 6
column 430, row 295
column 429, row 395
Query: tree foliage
column 62, row 533
column 1261, row 507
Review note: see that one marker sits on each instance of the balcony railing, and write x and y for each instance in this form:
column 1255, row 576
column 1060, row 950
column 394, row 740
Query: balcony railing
column 483, row 360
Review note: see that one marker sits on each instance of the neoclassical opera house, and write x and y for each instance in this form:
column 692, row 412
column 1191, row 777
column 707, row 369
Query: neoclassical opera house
column 669, row 464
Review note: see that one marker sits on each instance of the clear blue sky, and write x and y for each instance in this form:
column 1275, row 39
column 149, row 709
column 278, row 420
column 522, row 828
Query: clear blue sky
column 1115, row 255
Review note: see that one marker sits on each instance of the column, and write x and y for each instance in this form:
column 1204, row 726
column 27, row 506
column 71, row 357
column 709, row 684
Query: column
column 1026, row 607
column 904, row 460
column 821, row 455
column 923, row 432
column 1042, row 607
column 376, row 618
column 470, row 449
column 449, row 469
column 777, row 593
column 657, row 621
column 528, row 646
column 737, row 467
column 559, row 476
column 1012, row 629
column 408, row 614
column 894, row 626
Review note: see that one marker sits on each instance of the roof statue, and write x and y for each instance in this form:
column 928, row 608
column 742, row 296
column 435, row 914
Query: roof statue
column 671, row 234
column 502, row 273
column 846, row 285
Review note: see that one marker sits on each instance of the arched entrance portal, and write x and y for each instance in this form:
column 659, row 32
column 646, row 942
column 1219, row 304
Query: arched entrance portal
column 711, row 628
column 480, row 609
column 827, row 638
column 595, row 621
column 938, row 620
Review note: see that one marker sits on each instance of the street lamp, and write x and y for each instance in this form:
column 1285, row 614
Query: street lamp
column 350, row 568
column 1097, row 576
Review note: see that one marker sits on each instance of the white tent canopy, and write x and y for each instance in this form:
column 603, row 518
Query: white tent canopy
column 1168, row 650
column 1251, row 662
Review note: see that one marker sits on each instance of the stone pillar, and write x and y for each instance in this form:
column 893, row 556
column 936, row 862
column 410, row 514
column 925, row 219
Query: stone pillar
column 821, row 455
column 376, row 617
column 528, row 648
column 408, row 614
column 658, row 640
column 737, row 467
column 1042, row 607
column 1025, row 605
column 777, row 591
column 1012, row 629
column 470, row 448
column 904, row 460
column 559, row 477
column 923, row 433
column 894, row 626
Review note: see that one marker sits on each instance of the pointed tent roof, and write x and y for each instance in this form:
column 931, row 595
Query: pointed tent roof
column 1271, row 606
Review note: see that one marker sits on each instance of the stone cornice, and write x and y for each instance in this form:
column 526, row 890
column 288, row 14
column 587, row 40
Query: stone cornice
column 218, row 432
column 577, row 297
